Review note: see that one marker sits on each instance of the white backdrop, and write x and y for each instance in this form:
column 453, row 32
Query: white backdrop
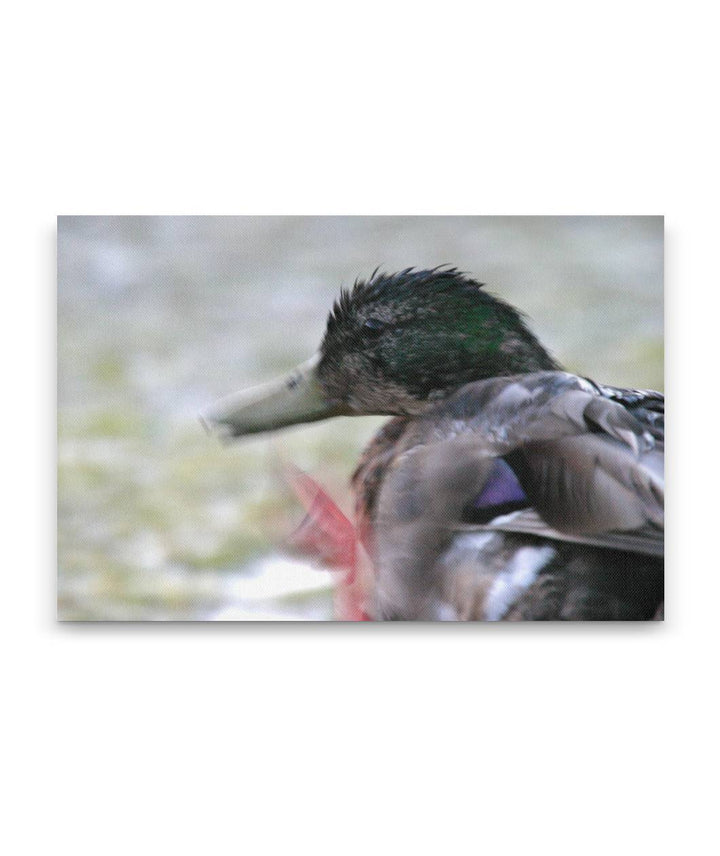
column 186, row 739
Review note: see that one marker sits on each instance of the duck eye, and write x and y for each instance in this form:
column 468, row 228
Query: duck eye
column 373, row 327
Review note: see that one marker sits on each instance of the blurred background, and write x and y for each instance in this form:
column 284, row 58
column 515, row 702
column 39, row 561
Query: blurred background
column 158, row 316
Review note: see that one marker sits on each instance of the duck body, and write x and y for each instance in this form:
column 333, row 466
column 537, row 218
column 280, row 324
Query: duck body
column 535, row 497
column 503, row 488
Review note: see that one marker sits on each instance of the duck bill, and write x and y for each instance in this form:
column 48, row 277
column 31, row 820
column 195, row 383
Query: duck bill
column 291, row 400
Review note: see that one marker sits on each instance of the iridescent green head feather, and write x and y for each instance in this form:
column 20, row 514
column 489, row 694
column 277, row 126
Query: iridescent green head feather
column 396, row 342
column 393, row 344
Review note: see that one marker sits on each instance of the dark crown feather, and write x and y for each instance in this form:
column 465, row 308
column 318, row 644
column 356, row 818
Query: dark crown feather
column 440, row 279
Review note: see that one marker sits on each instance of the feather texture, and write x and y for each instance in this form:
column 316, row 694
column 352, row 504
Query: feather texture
column 591, row 468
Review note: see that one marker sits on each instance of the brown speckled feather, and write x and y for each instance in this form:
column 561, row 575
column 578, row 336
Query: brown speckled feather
column 592, row 470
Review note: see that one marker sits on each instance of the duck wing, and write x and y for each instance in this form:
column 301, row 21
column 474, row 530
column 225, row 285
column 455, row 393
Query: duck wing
column 578, row 464
column 647, row 541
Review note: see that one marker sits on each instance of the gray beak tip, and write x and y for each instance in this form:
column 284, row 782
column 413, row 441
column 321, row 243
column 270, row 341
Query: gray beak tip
column 216, row 428
column 292, row 400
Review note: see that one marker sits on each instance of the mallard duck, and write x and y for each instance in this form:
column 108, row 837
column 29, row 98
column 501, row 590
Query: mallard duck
column 503, row 488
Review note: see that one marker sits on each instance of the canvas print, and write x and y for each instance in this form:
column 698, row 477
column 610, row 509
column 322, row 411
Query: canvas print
column 360, row 419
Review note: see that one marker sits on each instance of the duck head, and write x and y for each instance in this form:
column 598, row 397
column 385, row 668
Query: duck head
column 394, row 344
